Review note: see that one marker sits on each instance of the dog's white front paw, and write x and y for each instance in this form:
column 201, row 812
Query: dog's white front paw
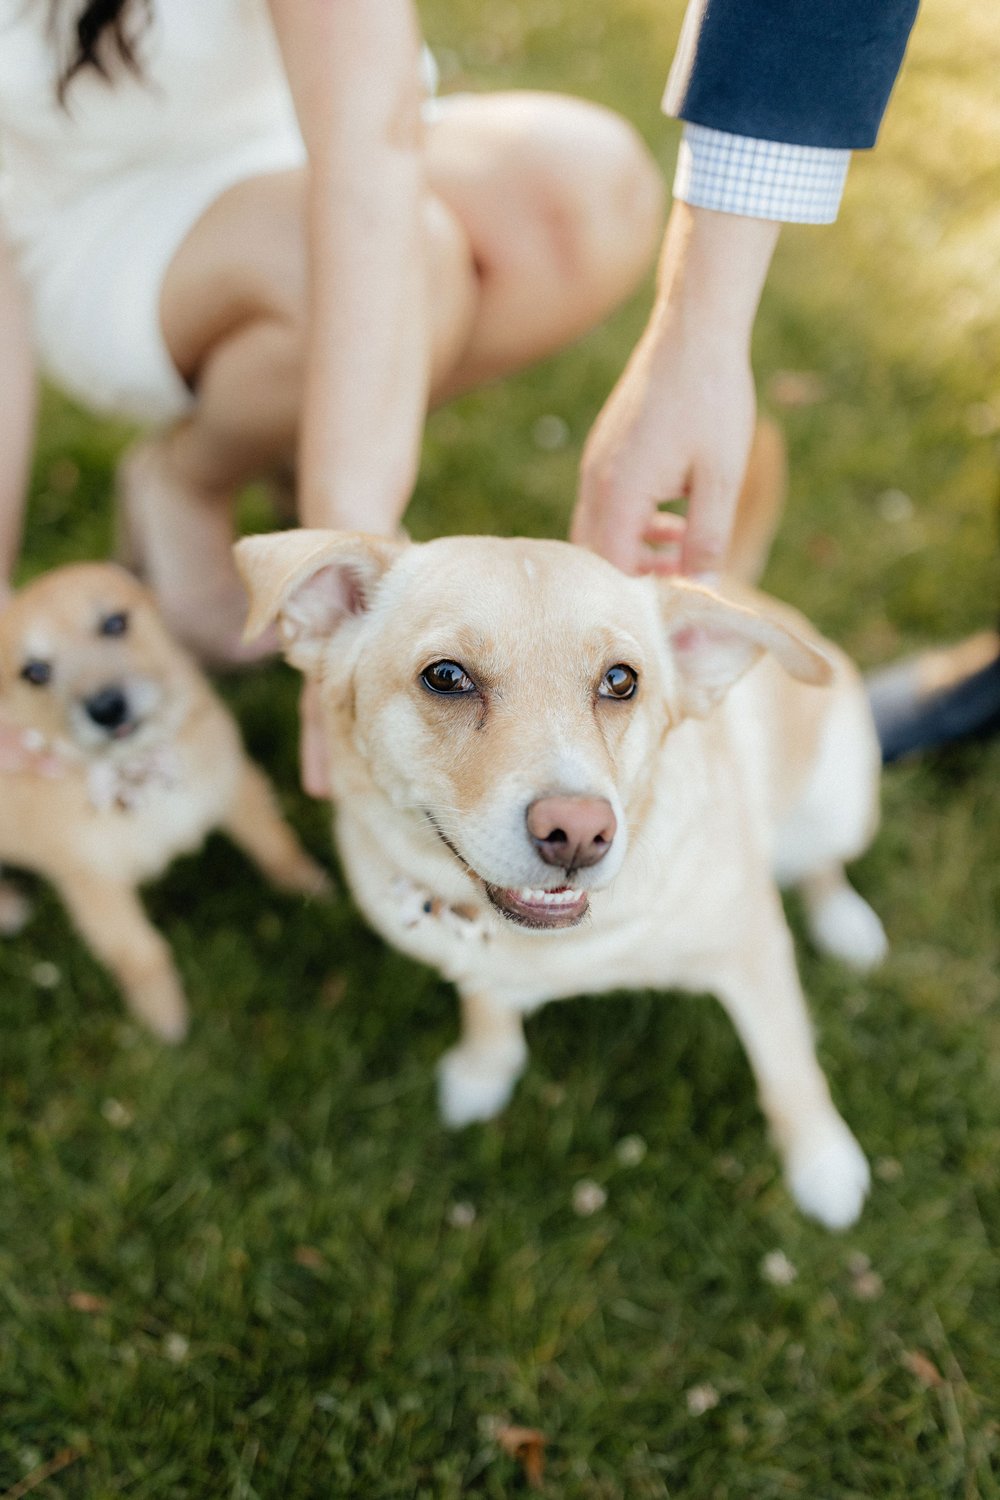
column 828, row 1175
column 845, row 926
column 474, row 1085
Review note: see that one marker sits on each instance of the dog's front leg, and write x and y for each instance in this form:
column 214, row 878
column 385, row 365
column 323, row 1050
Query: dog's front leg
column 111, row 918
column 477, row 1076
column 824, row 1166
column 254, row 822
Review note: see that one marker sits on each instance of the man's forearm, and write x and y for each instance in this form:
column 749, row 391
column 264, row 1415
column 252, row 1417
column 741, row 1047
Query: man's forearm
column 711, row 275
column 17, row 411
column 679, row 421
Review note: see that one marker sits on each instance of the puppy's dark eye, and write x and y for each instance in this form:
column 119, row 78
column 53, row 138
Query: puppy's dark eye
column 116, row 624
column 37, row 673
column 619, row 682
column 447, row 677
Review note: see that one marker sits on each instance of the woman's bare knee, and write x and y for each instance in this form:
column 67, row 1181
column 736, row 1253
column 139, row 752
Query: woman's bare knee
column 605, row 198
column 453, row 288
column 244, row 260
column 560, row 203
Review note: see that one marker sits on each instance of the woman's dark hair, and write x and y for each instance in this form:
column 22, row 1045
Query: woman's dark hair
column 106, row 31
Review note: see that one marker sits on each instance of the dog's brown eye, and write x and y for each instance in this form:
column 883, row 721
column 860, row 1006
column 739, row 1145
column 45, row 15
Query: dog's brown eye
column 447, row 677
column 37, row 673
column 619, row 682
column 116, row 624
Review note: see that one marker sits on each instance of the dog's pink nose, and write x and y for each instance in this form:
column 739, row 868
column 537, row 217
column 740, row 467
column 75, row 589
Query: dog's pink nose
column 572, row 831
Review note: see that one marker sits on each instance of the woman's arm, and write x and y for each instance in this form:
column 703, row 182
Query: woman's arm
column 17, row 411
column 353, row 69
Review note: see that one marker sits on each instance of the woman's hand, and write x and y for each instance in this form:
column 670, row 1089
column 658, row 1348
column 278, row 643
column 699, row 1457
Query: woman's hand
column 679, row 423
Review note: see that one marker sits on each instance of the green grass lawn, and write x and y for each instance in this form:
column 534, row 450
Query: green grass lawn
column 258, row 1267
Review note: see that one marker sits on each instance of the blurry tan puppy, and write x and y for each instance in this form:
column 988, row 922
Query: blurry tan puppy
column 145, row 762
column 551, row 778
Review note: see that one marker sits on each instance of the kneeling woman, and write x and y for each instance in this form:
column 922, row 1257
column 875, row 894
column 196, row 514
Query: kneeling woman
column 247, row 225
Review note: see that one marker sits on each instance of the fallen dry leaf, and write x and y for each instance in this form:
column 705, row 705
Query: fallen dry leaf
column 88, row 1302
column 45, row 1471
column 796, row 388
column 527, row 1445
column 310, row 1257
column 868, row 1287
column 922, row 1368
column 332, row 991
column 824, row 550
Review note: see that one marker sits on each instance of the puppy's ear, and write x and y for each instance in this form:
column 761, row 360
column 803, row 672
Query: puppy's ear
column 715, row 641
column 311, row 583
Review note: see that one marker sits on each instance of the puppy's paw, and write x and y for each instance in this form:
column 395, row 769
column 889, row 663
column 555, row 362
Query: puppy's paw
column 828, row 1175
column 473, row 1085
column 158, row 1002
column 845, row 926
column 15, row 910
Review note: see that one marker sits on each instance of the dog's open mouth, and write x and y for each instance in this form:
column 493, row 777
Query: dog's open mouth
column 562, row 907
column 127, row 730
column 528, row 906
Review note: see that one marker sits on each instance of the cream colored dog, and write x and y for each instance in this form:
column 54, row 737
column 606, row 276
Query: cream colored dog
column 551, row 778
column 144, row 762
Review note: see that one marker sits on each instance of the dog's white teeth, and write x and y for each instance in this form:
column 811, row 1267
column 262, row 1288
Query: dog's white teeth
column 547, row 898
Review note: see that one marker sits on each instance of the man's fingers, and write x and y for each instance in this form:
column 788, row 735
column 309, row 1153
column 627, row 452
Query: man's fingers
column 664, row 528
column 607, row 525
column 710, row 517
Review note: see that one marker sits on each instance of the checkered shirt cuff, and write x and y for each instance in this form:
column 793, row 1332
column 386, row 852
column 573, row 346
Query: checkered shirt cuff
column 736, row 174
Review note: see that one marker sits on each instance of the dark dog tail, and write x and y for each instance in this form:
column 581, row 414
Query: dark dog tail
column 761, row 502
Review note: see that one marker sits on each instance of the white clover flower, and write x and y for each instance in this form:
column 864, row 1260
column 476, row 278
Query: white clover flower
column 588, row 1198
column 630, row 1150
column 777, row 1269
column 175, row 1348
column 701, row 1398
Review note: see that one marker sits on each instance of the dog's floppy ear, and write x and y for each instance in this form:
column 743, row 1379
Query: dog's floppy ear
column 310, row 582
column 715, row 641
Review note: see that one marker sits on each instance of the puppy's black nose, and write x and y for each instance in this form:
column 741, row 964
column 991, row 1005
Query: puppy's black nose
column 572, row 832
column 108, row 707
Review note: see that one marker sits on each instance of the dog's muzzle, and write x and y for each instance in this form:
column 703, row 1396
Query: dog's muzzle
column 110, row 710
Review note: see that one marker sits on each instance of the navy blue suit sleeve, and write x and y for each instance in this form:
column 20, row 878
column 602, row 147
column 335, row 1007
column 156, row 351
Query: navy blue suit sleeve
column 809, row 72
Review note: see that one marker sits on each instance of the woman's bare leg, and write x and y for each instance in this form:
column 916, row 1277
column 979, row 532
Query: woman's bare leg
column 232, row 309
column 542, row 214
column 562, row 206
